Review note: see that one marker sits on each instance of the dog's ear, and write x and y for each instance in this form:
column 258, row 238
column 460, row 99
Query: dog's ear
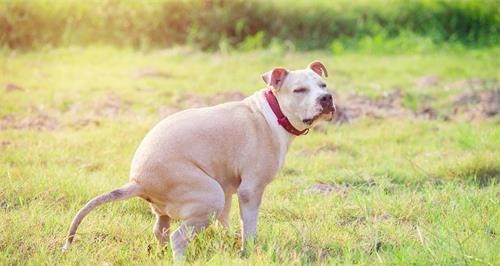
column 319, row 68
column 275, row 77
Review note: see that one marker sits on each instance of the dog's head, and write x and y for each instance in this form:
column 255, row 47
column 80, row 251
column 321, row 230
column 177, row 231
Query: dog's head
column 302, row 94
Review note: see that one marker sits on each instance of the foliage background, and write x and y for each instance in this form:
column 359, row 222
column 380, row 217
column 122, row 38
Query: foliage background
column 248, row 24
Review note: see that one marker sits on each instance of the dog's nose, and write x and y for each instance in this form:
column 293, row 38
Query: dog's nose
column 326, row 101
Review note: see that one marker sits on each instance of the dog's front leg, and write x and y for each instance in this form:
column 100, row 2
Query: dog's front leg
column 249, row 198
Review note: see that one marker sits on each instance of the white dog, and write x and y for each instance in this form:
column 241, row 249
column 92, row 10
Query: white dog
column 192, row 162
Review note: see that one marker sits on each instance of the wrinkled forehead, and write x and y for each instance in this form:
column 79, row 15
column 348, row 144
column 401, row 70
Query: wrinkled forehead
column 303, row 77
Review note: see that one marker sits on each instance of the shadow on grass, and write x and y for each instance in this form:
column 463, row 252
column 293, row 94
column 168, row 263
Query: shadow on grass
column 481, row 172
column 484, row 176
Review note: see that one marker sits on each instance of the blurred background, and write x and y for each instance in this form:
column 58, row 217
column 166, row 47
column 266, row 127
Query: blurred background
column 375, row 25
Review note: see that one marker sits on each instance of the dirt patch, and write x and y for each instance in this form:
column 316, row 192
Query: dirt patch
column 473, row 84
column 325, row 149
column 477, row 105
column 5, row 143
column 111, row 106
column 38, row 120
column 13, row 87
column 91, row 113
column 353, row 105
column 320, row 188
column 150, row 73
column 471, row 105
column 427, row 113
column 427, row 81
column 189, row 101
column 85, row 122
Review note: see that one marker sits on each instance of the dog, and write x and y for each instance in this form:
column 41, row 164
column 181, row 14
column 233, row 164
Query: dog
column 191, row 163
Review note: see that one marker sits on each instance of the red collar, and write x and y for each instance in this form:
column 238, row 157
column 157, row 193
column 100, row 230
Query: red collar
column 282, row 119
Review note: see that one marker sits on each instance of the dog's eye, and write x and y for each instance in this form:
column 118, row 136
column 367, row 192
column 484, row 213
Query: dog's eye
column 322, row 85
column 300, row 90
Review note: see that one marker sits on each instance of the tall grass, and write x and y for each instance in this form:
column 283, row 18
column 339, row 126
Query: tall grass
column 248, row 24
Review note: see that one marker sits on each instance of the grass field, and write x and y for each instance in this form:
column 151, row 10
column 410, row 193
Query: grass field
column 407, row 188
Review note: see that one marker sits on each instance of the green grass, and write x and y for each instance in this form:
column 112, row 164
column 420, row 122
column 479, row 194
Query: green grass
column 418, row 191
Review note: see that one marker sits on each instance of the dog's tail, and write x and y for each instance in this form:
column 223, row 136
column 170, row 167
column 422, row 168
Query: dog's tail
column 129, row 190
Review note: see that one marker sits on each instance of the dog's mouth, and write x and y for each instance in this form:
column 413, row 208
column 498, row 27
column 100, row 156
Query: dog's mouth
column 326, row 113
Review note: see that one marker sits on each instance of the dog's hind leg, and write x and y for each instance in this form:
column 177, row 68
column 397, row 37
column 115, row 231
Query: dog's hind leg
column 224, row 216
column 202, row 205
column 184, row 234
column 161, row 229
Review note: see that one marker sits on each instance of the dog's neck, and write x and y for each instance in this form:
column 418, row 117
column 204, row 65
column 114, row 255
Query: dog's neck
column 284, row 137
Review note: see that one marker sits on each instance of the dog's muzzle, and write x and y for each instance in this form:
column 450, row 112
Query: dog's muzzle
column 327, row 108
